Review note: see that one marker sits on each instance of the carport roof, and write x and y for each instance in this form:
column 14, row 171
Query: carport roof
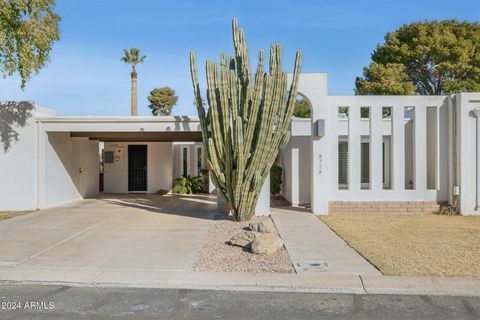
column 126, row 128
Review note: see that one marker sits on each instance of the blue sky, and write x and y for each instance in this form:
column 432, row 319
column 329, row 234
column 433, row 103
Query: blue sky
column 85, row 75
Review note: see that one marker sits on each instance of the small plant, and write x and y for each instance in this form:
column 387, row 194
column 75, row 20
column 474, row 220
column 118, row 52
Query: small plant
column 187, row 185
column 203, row 179
column 275, row 179
column 448, row 210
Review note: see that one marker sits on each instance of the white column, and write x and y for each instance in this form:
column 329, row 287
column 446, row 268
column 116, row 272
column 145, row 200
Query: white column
column 211, row 186
column 420, row 141
column 398, row 146
column 295, row 177
column 476, row 113
column 437, row 148
column 376, row 154
column 263, row 204
column 354, row 148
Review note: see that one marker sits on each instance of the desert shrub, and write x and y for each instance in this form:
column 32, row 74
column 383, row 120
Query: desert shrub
column 186, row 184
column 448, row 210
column 275, row 179
column 203, row 178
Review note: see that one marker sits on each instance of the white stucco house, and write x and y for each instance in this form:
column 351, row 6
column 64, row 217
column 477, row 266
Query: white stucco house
column 355, row 154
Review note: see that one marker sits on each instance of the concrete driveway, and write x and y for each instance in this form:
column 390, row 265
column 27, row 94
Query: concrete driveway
column 112, row 231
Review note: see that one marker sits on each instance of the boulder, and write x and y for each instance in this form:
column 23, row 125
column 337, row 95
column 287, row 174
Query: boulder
column 243, row 238
column 266, row 226
column 266, row 243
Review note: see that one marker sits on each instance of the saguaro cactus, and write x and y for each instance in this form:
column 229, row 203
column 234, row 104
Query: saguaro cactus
column 246, row 123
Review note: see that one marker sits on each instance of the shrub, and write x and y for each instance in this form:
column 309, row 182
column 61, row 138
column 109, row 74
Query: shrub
column 448, row 210
column 203, row 178
column 275, row 179
column 186, row 184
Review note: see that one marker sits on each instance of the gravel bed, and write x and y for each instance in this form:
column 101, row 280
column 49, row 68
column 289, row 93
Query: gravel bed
column 217, row 255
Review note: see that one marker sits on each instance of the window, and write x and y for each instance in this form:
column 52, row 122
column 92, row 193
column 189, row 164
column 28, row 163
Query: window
column 365, row 165
column 108, row 156
column 185, row 161
column 343, row 164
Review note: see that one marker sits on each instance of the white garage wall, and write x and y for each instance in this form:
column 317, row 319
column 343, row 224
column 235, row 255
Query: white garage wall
column 18, row 171
column 59, row 174
column 86, row 163
column 159, row 171
column 19, row 165
column 71, row 169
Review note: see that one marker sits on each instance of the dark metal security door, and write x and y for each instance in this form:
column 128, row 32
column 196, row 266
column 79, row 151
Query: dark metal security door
column 137, row 168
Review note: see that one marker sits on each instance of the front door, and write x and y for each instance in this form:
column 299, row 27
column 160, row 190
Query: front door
column 137, row 168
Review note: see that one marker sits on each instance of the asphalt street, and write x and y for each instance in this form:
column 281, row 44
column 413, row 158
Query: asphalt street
column 19, row 301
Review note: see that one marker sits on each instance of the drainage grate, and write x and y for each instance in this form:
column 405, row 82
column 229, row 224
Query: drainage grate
column 312, row 266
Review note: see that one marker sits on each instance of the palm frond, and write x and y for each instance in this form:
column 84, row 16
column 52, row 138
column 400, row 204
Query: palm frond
column 132, row 56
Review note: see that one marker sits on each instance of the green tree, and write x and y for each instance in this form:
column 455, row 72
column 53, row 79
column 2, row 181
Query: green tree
column 133, row 58
column 162, row 100
column 28, row 30
column 429, row 58
column 302, row 108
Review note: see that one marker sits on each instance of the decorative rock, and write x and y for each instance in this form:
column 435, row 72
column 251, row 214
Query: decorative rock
column 243, row 238
column 266, row 243
column 266, row 226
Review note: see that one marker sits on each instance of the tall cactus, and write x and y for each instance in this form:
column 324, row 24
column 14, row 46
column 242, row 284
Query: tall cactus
column 246, row 123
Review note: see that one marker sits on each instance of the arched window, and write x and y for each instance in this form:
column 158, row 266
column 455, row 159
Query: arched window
column 303, row 109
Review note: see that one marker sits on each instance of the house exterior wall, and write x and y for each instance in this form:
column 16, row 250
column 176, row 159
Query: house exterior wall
column 437, row 147
column 159, row 167
column 42, row 169
column 419, row 148
column 18, row 171
column 466, row 151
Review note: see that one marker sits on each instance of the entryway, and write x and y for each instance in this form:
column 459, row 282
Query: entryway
column 137, row 168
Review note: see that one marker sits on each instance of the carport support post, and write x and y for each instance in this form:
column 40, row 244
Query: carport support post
column 263, row 203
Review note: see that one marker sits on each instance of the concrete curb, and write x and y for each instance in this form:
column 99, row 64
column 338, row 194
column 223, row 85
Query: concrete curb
column 314, row 282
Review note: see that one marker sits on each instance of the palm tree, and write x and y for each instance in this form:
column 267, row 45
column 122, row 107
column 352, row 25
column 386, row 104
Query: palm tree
column 133, row 57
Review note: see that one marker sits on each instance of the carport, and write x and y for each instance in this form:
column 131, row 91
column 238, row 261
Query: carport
column 71, row 154
column 56, row 159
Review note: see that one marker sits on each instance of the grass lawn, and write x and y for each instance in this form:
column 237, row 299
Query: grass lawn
column 413, row 244
column 10, row 214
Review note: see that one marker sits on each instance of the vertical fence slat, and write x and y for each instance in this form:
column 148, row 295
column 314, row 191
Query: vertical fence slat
column 398, row 147
column 354, row 147
column 376, row 140
column 332, row 130
column 420, row 142
column 437, row 156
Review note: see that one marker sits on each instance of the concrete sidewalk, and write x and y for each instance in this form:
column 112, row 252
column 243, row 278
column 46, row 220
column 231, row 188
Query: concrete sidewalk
column 308, row 240
column 272, row 282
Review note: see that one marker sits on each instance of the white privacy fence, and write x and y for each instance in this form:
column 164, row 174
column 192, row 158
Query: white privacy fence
column 387, row 148
column 384, row 148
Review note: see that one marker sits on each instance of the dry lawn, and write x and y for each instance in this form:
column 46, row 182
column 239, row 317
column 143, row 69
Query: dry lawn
column 10, row 214
column 413, row 244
